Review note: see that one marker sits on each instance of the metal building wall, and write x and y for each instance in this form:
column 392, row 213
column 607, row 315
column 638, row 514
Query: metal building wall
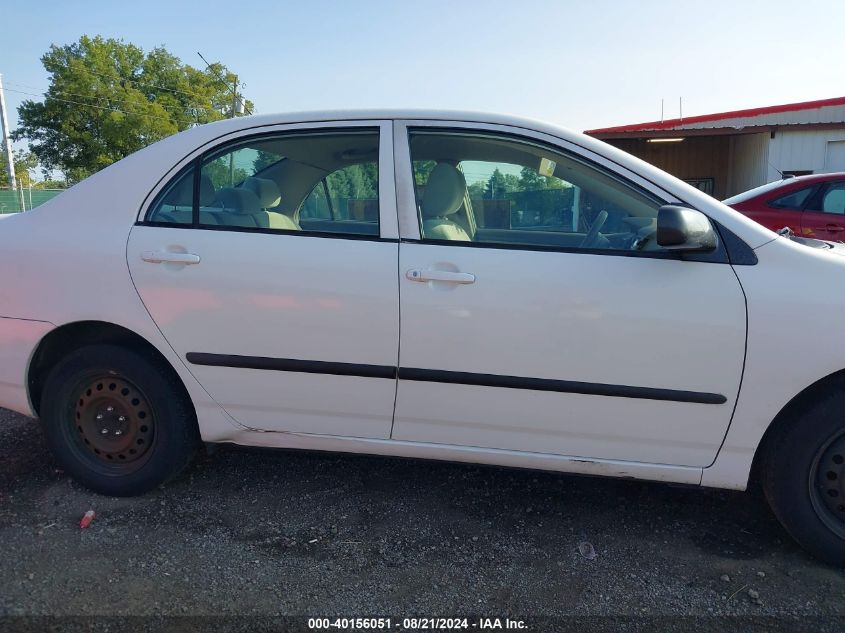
column 693, row 158
column 748, row 162
column 802, row 150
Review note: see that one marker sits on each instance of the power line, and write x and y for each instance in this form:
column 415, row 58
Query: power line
column 76, row 94
column 90, row 105
column 226, row 83
column 141, row 83
column 219, row 76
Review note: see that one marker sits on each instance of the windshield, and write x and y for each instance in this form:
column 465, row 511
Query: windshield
column 751, row 193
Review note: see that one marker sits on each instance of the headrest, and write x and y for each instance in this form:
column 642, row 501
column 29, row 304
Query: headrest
column 182, row 195
column 444, row 192
column 238, row 200
column 267, row 191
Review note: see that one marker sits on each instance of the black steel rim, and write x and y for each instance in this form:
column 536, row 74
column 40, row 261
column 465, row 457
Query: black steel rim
column 114, row 424
column 827, row 484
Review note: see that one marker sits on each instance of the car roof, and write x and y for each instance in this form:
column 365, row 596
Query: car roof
column 811, row 178
column 225, row 126
column 778, row 188
column 383, row 113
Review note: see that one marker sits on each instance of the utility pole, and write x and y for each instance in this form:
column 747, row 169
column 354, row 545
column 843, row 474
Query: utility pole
column 7, row 145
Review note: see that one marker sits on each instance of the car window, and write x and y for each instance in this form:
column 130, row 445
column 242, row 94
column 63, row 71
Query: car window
column 491, row 189
column 833, row 199
column 347, row 195
column 174, row 205
column 792, row 200
column 275, row 182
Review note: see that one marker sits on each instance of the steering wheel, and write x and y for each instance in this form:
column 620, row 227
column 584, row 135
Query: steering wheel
column 593, row 232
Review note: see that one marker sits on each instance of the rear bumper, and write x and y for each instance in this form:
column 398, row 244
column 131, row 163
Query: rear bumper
column 18, row 340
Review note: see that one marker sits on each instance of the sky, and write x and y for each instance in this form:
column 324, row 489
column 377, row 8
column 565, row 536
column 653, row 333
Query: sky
column 580, row 64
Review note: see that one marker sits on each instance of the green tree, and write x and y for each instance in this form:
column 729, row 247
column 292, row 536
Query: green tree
column 530, row 180
column 422, row 170
column 25, row 164
column 476, row 189
column 499, row 184
column 264, row 160
column 356, row 182
column 107, row 99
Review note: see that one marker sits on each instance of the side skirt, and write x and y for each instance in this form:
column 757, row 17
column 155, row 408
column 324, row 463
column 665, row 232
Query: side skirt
column 472, row 455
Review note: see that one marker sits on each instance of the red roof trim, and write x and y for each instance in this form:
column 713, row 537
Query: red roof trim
column 669, row 124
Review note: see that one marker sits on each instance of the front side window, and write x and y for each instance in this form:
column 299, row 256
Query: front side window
column 832, row 199
column 274, row 183
column 491, row 189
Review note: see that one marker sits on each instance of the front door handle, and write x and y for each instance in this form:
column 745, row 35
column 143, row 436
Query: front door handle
column 834, row 228
column 415, row 274
column 167, row 257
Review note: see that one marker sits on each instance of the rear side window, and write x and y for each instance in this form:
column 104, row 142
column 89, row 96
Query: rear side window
column 349, row 194
column 793, row 200
column 323, row 182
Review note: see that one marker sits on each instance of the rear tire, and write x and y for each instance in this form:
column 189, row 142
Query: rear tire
column 118, row 420
column 803, row 475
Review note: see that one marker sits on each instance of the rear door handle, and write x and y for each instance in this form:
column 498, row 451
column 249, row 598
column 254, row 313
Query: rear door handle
column 166, row 257
column 834, row 228
column 415, row 274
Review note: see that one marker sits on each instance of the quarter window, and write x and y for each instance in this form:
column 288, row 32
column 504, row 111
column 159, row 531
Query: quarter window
column 174, row 205
column 274, row 183
column 493, row 190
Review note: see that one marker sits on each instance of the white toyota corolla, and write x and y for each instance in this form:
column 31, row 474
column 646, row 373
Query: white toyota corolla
column 427, row 284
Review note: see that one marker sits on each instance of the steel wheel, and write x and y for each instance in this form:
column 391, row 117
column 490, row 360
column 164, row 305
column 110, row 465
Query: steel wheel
column 114, row 423
column 827, row 484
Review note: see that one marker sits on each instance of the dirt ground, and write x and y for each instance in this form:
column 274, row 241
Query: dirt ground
column 276, row 532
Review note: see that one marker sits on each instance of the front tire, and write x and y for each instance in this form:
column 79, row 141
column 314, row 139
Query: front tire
column 803, row 475
column 118, row 420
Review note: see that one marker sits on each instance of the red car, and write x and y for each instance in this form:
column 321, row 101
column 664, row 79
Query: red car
column 812, row 206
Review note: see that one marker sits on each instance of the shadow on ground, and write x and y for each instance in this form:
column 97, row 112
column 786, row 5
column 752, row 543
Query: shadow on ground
column 265, row 532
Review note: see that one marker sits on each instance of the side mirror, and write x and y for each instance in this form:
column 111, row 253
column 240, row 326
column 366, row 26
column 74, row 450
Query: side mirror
column 682, row 229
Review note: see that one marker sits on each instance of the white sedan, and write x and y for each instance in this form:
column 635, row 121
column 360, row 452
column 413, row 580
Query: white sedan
column 442, row 285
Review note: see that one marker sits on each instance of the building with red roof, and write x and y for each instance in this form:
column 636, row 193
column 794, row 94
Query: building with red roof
column 729, row 152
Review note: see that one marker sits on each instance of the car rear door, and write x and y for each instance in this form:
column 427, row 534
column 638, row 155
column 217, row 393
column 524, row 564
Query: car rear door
column 783, row 207
column 774, row 218
column 824, row 215
column 291, row 324
column 545, row 345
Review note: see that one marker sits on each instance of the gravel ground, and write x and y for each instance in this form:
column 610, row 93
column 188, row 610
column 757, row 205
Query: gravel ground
column 277, row 532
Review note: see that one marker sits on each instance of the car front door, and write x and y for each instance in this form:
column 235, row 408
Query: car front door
column 824, row 216
column 538, row 313
column 285, row 313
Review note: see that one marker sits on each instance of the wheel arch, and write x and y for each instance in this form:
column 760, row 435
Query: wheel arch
column 787, row 414
column 69, row 337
